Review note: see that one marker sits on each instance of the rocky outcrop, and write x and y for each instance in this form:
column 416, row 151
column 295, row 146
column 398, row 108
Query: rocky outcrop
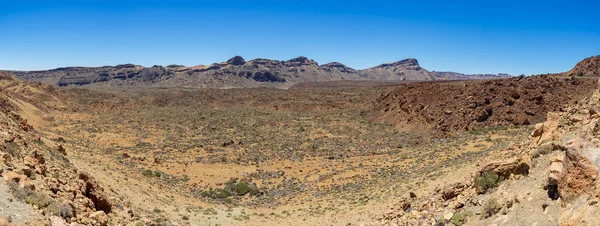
column 94, row 191
column 508, row 167
column 573, row 173
column 588, row 67
column 37, row 170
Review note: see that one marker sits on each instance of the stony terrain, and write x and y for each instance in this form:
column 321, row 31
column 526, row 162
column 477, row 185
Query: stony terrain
column 551, row 179
column 445, row 108
column 36, row 169
column 237, row 72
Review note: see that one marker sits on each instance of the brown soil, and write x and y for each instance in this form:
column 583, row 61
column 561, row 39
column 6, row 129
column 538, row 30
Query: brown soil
column 447, row 108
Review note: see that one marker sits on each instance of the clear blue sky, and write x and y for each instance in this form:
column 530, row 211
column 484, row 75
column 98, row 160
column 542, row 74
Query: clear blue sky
column 483, row 36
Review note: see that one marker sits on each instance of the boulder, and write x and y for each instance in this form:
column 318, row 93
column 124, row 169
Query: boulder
column 12, row 176
column 100, row 218
column 504, row 168
column 453, row 190
column 538, row 130
column 57, row 221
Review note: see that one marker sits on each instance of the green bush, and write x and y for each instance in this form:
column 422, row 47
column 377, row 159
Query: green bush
column 148, row 173
column 39, row 200
column 232, row 187
column 486, row 181
column 241, row 188
column 461, row 218
column 223, row 193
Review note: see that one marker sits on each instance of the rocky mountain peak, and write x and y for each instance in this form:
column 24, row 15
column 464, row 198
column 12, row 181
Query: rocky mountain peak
column 300, row 61
column 406, row 62
column 236, row 60
column 333, row 64
column 336, row 66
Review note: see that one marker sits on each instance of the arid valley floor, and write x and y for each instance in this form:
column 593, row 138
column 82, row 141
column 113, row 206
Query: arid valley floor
column 352, row 153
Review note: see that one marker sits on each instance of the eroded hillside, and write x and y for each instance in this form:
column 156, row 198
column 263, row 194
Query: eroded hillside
column 447, row 108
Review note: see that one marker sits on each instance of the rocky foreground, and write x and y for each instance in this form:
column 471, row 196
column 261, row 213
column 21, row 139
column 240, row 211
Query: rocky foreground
column 37, row 170
column 551, row 180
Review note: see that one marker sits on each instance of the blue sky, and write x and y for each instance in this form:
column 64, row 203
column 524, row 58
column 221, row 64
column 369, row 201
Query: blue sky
column 508, row 36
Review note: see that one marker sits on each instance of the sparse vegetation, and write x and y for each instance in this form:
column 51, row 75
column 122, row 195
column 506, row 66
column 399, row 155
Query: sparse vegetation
column 461, row 217
column 13, row 149
column 491, row 207
column 61, row 209
column 545, row 149
column 486, row 181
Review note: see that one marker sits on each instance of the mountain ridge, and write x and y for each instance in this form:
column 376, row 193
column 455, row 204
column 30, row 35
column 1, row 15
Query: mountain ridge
column 236, row 72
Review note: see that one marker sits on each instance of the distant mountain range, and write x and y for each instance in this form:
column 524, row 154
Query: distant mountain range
column 237, row 72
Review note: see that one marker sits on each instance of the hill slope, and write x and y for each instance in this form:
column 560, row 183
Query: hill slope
column 588, row 67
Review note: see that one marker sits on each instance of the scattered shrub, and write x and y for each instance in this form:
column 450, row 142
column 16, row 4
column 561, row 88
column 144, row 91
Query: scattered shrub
column 39, row 199
column 13, row 149
column 223, row 193
column 545, row 149
column 241, row 188
column 491, row 207
column 461, row 218
column 232, row 187
column 19, row 193
column 147, row 173
column 486, row 181
column 61, row 209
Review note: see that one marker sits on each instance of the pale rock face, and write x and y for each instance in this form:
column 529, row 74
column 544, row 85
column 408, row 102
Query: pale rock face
column 575, row 171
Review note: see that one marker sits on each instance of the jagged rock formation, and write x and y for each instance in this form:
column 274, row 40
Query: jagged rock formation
column 237, row 72
column 588, row 67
